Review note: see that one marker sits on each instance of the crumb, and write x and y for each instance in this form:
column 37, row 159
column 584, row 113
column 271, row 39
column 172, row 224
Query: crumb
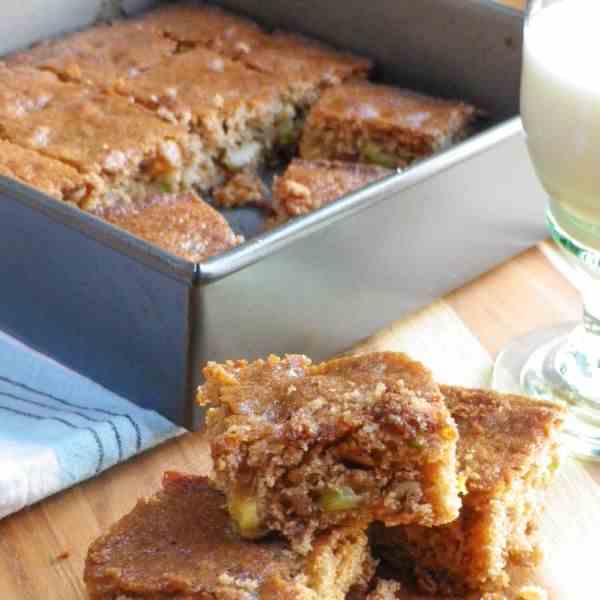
column 532, row 592
column 244, row 188
column 386, row 589
column 64, row 555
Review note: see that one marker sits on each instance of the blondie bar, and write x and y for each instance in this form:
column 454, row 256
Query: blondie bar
column 379, row 124
column 236, row 111
column 122, row 149
column 182, row 224
column 45, row 174
column 508, row 451
column 100, row 56
column 307, row 185
column 179, row 545
column 300, row 448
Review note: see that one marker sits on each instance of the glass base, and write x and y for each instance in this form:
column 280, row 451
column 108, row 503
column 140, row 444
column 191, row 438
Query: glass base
column 548, row 363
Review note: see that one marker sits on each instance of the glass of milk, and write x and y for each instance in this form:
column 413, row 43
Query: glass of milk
column 560, row 108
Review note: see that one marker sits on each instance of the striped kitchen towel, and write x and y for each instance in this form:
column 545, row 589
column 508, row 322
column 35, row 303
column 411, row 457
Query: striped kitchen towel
column 58, row 428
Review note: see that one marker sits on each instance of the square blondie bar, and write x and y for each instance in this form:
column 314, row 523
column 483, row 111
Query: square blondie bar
column 179, row 545
column 236, row 111
column 299, row 448
column 388, row 126
column 182, row 224
column 100, row 56
column 122, row 149
column 508, row 451
column 44, row 174
column 307, row 185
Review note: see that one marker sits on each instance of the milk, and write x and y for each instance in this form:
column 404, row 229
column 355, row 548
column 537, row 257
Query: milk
column 560, row 106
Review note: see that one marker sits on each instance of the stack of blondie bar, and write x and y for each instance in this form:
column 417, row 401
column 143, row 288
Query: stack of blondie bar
column 124, row 117
column 320, row 470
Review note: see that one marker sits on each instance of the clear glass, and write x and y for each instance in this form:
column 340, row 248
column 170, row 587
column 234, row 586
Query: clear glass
column 560, row 108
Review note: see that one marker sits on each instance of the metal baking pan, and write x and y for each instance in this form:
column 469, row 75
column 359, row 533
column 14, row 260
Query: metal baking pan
column 141, row 322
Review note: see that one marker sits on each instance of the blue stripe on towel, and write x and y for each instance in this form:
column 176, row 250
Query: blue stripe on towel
column 58, row 428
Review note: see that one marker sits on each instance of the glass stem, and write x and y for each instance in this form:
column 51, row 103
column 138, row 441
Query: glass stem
column 578, row 360
column 591, row 307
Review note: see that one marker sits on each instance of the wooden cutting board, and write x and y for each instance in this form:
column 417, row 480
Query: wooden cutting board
column 456, row 337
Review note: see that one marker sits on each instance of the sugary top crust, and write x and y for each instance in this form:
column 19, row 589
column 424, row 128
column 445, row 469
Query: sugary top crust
column 93, row 131
column 192, row 24
column 201, row 83
column 100, row 56
column 297, row 58
column 180, row 542
column 290, row 397
column 321, row 181
column 500, row 434
column 25, row 91
column 182, row 224
column 45, row 174
column 390, row 107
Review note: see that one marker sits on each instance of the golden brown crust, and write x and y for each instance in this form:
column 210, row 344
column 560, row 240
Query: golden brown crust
column 182, row 224
column 179, row 544
column 313, row 446
column 301, row 60
column 191, row 24
column 307, row 185
column 200, row 83
column 122, row 149
column 100, row 56
column 367, row 121
column 499, row 434
column 50, row 176
column 89, row 128
column 26, row 91
column 508, row 452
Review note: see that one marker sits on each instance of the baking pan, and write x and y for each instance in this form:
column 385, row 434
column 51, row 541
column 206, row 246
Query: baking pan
column 141, row 322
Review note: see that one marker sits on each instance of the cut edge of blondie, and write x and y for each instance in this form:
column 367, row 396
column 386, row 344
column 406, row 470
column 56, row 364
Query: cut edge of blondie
column 322, row 466
column 497, row 526
column 52, row 177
